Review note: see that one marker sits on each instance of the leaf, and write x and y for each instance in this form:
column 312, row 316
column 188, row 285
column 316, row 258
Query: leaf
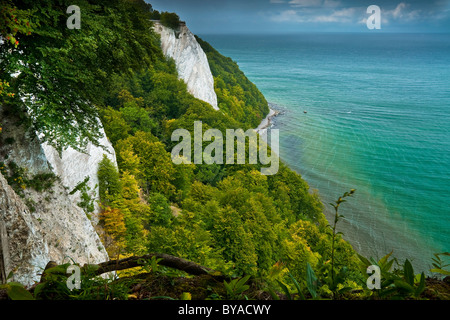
column 285, row 289
column 408, row 272
column 388, row 266
column 186, row 296
column 311, row 280
column 441, row 271
column 273, row 294
column 227, row 287
column 364, row 261
column 10, row 275
column 18, row 292
column 297, row 286
column 403, row 285
column 383, row 260
column 421, row 286
column 241, row 282
column 345, row 289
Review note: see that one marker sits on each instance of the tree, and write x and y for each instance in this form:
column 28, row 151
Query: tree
column 114, row 226
column 58, row 76
column 170, row 20
column 109, row 185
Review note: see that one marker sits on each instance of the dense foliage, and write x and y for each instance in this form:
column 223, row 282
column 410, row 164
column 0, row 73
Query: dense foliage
column 58, row 75
column 236, row 95
column 229, row 218
column 170, row 19
column 226, row 217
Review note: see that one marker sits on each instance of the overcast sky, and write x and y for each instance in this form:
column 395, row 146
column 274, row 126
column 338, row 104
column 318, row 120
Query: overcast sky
column 286, row 16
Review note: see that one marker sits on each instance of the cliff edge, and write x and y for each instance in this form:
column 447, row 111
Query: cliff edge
column 190, row 60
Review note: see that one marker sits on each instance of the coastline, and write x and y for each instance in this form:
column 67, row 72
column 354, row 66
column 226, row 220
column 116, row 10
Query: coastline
column 267, row 121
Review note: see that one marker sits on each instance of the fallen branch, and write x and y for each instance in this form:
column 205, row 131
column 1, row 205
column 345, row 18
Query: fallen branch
column 166, row 260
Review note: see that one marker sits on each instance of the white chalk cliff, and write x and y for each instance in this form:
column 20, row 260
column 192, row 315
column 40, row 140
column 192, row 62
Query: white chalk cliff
column 73, row 167
column 48, row 225
column 190, row 60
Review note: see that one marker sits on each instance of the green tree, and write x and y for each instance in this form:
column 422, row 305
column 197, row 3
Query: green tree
column 170, row 20
column 110, row 188
column 58, row 76
column 237, row 96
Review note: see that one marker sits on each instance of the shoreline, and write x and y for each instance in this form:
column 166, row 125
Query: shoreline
column 267, row 121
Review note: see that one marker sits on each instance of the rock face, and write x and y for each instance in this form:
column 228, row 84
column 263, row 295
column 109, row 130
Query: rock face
column 27, row 250
column 74, row 167
column 191, row 61
column 45, row 225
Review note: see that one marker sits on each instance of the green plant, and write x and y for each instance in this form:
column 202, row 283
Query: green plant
column 439, row 265
column 15, row 290
column 337, row 217
column 41, row 181
column 312, row 282
column 398, row 283
column 18, row 178
column 290, row 295
column 15, row 176
column 335, row 277
column 87, row 196
column 152, row 265
column 236, row 287
column 170, row 20
column 410, row 284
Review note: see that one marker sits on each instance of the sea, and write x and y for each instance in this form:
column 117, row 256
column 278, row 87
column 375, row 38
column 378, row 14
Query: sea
column 364, row 111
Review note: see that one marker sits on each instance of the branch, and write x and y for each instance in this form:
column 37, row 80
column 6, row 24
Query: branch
column 166, row 260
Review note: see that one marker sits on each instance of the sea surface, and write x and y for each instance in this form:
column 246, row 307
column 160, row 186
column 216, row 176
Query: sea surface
column 377, row 120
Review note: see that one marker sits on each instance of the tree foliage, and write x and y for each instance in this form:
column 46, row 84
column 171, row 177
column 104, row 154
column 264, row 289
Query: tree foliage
column 170, row 20
column 226, row 217
column 59, row 75
column 236, row 95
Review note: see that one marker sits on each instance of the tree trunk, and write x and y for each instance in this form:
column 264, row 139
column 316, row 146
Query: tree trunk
column 166, row 260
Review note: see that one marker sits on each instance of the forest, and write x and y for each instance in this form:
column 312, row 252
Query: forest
column 261, row 235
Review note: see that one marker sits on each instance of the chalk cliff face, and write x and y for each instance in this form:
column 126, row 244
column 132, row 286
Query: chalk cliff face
column 74, row 167
column 45, row 225
column 191, row 61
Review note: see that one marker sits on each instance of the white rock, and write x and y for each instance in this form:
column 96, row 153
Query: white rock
column 190, row 60
column 48, row 225
column 73, row 167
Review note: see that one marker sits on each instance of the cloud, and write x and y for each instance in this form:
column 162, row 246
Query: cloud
column 305, row 3
column 287, row 16
column 401, row 13
column 342, row 16
column 398, row 11
column 345, row 15
column 315, row 3
column 333, row 11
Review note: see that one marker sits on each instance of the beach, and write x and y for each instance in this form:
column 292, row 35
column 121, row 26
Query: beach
column 267, row 121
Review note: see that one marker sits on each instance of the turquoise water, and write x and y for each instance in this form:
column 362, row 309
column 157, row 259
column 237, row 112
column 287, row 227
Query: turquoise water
column 378, row 120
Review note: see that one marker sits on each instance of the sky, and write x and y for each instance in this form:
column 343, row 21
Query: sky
column 293, row 16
